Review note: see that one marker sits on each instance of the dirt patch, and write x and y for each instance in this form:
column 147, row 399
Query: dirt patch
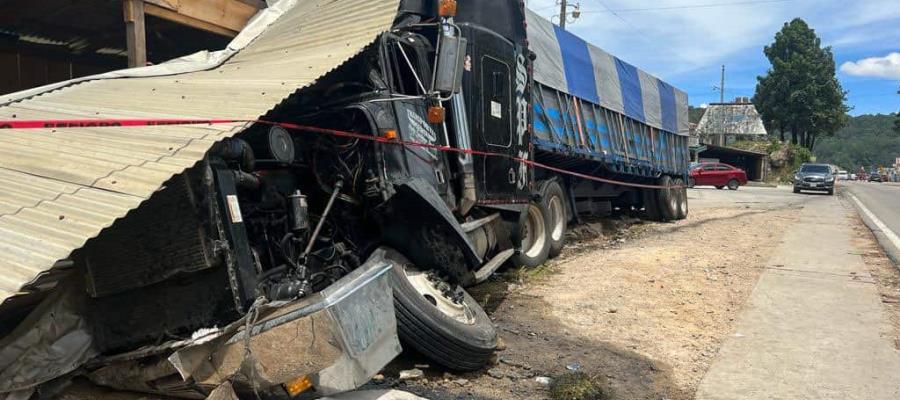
column 642, row 310
column 882, row 269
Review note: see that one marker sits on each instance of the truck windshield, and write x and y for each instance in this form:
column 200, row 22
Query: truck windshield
column 815, row 169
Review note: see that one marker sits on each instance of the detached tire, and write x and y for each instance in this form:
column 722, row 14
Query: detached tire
column 682, row 208
column 534, row 237
column 667, row 199
column 440, row 320
column 554, row 200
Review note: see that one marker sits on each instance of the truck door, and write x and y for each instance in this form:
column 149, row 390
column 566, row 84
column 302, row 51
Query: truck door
column 495, row 84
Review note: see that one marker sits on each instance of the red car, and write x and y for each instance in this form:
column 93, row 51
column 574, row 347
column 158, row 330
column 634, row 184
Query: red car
column 718, row 175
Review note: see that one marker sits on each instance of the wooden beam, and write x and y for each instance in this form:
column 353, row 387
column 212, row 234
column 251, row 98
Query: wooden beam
column 135, row 33
column 225, row 17
column 182, row 19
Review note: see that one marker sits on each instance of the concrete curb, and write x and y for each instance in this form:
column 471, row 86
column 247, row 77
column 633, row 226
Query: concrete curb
column 886, row 238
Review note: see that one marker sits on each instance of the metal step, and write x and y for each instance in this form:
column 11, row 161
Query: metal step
column 473, row 225
column 488, row 269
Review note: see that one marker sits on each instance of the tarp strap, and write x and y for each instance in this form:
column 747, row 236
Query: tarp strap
column 100, row 123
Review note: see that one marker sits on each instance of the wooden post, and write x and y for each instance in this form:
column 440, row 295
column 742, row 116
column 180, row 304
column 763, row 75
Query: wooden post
column 135, row 33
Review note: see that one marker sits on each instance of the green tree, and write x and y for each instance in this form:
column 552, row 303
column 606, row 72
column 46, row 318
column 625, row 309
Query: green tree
column 800, row 93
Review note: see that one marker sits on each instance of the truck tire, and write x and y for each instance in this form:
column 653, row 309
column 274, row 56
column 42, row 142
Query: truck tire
column 534, row 237
column 554, row 200
column 667, row 199
column 682, row 209
column 650, row 204
column 438, row 319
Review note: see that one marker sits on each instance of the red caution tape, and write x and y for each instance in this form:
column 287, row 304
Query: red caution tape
column 100, row 123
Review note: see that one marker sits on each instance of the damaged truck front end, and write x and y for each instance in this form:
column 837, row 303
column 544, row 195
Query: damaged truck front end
column 291, row 262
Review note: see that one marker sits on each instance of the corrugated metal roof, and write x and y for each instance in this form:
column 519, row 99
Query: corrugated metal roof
column 62, row 187
column 731, row 119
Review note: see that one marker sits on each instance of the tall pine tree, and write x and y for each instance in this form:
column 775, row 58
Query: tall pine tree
column 800, row 94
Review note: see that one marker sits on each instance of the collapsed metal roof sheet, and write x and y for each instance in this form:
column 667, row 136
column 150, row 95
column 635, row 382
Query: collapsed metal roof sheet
column 62, row 187
column 731, row 119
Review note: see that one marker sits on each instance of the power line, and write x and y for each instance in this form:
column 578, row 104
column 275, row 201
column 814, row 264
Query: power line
column 686, row 7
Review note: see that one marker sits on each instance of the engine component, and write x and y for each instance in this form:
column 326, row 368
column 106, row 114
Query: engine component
column 236, row 150
column 274, row 145
column 245, row 180
column 299, row 212
column 281, row 145
column 312, row 240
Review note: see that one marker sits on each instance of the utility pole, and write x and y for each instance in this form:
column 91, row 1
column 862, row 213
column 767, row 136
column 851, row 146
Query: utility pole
column 562, row 13
column 722, row 86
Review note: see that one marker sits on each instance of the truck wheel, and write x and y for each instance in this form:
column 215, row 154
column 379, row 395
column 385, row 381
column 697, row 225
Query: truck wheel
column 438, row 319
column 650, row 205
column 681, row 210
column 667, row 199
column 554, row 201
column 733, row 184
column 534, row 237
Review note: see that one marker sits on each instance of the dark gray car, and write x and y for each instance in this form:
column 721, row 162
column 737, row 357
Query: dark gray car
column 816, row 177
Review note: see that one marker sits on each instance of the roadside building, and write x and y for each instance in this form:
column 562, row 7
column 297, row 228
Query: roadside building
column 724, row 124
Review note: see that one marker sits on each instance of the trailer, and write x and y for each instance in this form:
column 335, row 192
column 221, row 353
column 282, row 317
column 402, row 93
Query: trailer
column 281, row 216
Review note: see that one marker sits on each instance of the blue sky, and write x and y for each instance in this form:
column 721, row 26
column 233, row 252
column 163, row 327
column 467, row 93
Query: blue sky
column 685, row 42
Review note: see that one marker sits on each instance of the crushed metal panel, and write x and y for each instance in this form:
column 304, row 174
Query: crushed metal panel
column 72, row 183
column 339, row 338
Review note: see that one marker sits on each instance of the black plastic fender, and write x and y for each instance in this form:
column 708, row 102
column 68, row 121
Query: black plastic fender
column 415, row 211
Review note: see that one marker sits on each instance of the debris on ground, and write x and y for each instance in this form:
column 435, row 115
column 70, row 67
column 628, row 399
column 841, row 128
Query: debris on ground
column 410, row 374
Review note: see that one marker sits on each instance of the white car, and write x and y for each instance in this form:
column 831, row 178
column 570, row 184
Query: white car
column 843, row 175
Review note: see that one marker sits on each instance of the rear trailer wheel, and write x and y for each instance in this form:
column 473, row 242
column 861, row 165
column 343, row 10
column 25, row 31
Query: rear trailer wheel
column 438, row 319
column 534, row 237
column 682, row 209
column 554, row 201
column 667, row 199
column 733, row 184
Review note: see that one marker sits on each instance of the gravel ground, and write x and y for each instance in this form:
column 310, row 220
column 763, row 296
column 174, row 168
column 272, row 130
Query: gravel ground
column 642, row 309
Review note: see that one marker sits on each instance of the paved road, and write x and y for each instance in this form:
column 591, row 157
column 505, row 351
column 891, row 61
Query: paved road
column 883, row 202
column 814, row 326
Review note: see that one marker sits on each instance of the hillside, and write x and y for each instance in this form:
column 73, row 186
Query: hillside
column 866, row 141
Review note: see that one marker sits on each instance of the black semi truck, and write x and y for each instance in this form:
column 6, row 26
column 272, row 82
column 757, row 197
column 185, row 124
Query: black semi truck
column 287, row 212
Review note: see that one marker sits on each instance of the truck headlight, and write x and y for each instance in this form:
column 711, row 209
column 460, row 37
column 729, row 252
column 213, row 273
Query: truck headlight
column 829, row 179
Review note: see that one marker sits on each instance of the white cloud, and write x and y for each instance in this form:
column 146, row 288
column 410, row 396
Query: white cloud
column 675, row 39
column 878, row 67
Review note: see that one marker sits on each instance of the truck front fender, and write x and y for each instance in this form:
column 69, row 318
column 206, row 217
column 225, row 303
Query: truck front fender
column 420, row 225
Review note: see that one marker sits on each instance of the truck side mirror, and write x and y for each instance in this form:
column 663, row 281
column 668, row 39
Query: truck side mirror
column 450, row 63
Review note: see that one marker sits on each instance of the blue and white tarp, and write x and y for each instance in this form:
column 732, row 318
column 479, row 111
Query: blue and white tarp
column 567, row 63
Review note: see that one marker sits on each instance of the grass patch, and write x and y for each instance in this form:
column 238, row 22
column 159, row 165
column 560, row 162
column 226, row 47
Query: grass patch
column 578, row 386
column 523, row 275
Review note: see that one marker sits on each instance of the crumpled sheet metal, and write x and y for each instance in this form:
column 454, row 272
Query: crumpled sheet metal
column 63, row 187
column 52, row 341
column 339, row 337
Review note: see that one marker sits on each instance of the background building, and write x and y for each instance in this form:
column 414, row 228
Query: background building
column 725, row 123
